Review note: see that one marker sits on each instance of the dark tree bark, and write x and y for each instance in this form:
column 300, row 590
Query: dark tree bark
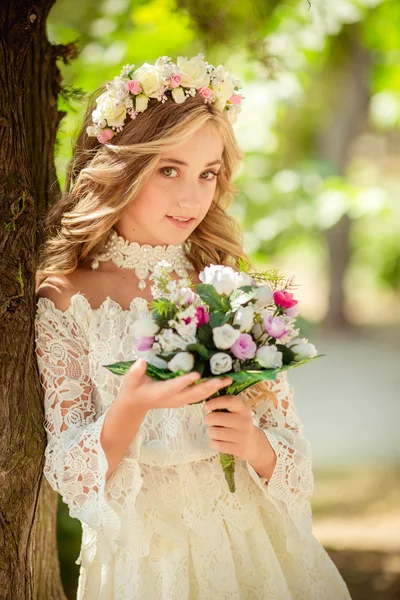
column 334, row 144
column 30, row 84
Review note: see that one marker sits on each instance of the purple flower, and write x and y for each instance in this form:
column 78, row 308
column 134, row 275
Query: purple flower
column 144, row 343
column 244, row 347
column 275, row 326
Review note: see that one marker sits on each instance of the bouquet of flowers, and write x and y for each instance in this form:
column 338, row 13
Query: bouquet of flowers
column 238, row 324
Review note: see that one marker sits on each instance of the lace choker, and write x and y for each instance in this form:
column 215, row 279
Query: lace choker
column 141, row 257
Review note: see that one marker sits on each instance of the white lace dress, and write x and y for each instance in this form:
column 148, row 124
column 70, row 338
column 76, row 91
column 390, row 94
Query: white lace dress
column 165, row 525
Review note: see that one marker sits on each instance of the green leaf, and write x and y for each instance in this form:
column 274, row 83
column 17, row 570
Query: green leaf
column 287, row 354
column 198, row 365
column 163, row 311
column 204, row 333
column 217, row 319
column 120, row 368
column 199, row 348
column 210, row 296
column 228, row 466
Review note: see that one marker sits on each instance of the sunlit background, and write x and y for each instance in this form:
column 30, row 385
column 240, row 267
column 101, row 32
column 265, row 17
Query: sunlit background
column 319, row 199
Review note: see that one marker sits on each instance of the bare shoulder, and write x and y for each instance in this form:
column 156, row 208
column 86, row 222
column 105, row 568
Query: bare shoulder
column 59, row 289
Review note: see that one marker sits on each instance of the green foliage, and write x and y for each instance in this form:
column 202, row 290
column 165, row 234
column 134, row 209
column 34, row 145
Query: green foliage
column 162, row 311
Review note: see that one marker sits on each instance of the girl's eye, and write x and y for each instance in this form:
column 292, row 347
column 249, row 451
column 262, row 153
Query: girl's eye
column 213, row 173
column 167, row 169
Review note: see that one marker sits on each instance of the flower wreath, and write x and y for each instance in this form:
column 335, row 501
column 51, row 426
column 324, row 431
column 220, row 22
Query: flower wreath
column 129, row 93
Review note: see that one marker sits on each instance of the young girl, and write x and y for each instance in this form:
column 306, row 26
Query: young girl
column 137, row 461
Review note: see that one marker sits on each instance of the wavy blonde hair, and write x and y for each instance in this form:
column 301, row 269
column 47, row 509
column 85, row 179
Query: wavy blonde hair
column 102, row 179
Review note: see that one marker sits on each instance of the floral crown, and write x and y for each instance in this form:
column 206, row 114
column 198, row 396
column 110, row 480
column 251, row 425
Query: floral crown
column 129, row 93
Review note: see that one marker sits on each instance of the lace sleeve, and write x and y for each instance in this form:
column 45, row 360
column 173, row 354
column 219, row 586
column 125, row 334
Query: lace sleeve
column 291, row 484
column 75, row 462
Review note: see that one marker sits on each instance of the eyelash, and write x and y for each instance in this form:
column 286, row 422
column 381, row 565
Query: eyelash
column 213, row 172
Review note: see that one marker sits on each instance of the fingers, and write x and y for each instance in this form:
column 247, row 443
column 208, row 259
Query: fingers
column 136, row 372
column 171, row 387
column 204, row 390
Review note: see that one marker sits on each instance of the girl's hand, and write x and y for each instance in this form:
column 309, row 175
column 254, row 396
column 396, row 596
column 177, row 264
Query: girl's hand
column 144, row 393
column 233, row 432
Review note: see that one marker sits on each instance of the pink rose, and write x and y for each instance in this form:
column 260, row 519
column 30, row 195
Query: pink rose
column 144, row 343
column 244, row 347
column 235, row 99
column 204, row 91
column 105, row 135
column 175, row 80
column 202, row 316
column 134, row 86
column 275, row 326
column 284, row 299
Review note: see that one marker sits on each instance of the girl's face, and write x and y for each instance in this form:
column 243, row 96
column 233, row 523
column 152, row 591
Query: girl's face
column 182, row 185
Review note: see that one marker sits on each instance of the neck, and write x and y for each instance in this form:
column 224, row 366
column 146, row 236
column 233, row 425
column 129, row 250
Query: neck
column 129, row 234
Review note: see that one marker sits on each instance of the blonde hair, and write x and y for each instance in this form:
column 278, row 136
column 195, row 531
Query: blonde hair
column 102, row 179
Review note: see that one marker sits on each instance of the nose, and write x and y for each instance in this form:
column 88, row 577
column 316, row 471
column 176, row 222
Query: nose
column 189, row 202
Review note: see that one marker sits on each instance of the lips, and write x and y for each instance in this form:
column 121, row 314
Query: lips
column 180, row 224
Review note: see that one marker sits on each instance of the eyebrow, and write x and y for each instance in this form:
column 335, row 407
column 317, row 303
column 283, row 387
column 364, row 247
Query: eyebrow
column 181, row 162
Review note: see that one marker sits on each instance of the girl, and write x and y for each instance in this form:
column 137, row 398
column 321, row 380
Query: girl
column 137, row 461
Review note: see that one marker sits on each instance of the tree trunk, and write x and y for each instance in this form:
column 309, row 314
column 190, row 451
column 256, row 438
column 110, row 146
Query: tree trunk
column 350, row 117
column 30, row 84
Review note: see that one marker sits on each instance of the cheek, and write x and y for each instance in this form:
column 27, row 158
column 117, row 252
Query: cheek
column 152, row 199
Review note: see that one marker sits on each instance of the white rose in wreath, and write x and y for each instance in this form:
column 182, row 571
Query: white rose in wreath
column 193, row 72
column 150, row 79
column 106, row 109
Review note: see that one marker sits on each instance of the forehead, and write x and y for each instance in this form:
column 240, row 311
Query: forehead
column 205, row 145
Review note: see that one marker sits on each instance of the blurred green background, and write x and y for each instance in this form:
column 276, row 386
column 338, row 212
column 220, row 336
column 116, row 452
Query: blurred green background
column 319, row 188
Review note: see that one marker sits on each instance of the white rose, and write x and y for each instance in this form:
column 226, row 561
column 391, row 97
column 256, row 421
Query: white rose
column 106, row 109
column 171, row 341
column 145, row 327
column 264, row 296
column 187, row 331
column 193, row 72
column 220, row 363
column 223, row 91
column 225, row 336
column 219, row 276
column 269, row 357
column 224, row 279
column 302, row 349
column 259, row 333
column 243, row 278
column 178, row 95
column 182, row 361
column 154, row 360
column 233, row 112
column 244, row 317
column 141, row 102
column 150, row 79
